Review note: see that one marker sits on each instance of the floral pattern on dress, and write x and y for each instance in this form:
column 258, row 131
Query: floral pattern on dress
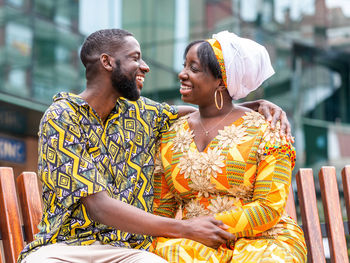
column 202, row 185
column 178, row 124
column 271, row 136
column 211, row 162
column 231, row 135
column 245, row 192
column 182, row 140
column 189, row 165
column 253, row 118
column 222, row 204
column 271, row 141
column 195, row 209
column 158, row 165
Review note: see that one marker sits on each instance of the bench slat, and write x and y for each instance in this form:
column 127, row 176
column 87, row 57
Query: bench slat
column 346, row 189
column 29, row 196
column 290, row 205
column 333, row 215
column 309, row 215
column 11, row 230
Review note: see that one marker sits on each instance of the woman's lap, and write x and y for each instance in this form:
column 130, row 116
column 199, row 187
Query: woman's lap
column 245, row 250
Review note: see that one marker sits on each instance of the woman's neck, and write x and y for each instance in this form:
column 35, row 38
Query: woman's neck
column 211, row 111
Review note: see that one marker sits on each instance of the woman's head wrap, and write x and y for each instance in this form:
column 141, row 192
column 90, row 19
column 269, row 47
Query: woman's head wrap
column 244, row 63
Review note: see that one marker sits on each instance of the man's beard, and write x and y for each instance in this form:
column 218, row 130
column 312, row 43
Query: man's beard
column 125, row 86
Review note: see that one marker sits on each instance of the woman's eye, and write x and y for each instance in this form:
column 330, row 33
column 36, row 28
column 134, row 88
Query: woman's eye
column 194, row 69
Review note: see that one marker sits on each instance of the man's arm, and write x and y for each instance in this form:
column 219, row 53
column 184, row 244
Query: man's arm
column 111, row 212
column 272, row 113
column 184, row 110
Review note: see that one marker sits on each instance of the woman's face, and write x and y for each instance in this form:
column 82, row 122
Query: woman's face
column 197, row 85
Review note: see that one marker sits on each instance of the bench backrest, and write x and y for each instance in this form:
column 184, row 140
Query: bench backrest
column 30, row 202
column 10, row 221
column 334, row 224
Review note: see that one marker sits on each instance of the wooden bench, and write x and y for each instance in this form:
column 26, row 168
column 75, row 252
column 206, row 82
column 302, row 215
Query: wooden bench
column 14, row 233
column 334, row 227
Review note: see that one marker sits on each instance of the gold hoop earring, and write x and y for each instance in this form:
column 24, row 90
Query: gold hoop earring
column 221, row 100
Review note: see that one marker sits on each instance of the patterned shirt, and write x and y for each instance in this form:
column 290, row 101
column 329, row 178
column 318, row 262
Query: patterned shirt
column 79, row 156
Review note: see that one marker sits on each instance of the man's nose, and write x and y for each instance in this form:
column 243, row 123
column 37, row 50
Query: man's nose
column 144, row 67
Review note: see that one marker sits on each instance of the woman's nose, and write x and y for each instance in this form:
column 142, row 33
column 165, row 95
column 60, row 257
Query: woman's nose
column 183, row 75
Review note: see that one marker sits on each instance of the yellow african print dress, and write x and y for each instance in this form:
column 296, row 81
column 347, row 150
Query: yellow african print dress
column 242, row 178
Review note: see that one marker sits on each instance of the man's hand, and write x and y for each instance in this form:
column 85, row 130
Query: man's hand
column 272, row 113
column 207, row 230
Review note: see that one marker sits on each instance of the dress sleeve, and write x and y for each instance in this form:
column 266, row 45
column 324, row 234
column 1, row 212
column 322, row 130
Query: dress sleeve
column 270, row 194
column 65, row 163
column 165, row 203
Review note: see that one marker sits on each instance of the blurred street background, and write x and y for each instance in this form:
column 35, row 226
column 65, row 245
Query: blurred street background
column 308, row 41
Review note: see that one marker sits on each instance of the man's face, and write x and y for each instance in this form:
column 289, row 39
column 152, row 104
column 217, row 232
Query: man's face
column 129, row 71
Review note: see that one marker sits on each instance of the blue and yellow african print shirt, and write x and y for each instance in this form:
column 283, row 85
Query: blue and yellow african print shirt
column 79, row 155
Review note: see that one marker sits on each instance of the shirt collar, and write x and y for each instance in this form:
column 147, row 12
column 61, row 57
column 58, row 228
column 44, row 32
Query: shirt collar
column 76, row 99
column 122, row 103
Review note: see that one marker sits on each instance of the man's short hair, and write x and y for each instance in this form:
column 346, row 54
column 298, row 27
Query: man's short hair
column 105, row 40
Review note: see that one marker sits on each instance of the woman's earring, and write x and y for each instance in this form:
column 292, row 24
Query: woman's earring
column 221, row 100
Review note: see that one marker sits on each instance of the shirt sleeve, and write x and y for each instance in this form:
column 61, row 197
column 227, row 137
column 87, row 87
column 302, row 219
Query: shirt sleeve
column 270, row 193
column 166, row 117
column 65, row 163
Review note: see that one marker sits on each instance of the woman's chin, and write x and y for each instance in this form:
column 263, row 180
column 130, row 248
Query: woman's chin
column 186, row 99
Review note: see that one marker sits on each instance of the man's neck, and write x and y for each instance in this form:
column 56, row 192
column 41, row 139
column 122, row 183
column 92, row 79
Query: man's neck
column 102, row 100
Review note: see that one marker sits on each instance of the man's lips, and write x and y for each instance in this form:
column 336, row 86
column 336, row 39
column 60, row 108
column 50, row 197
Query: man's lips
column 139, row 81
column 140, row 78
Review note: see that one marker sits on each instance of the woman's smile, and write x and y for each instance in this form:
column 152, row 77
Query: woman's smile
column 185, row 90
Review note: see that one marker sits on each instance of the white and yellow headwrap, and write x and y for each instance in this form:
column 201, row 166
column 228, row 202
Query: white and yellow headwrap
column 244, row 64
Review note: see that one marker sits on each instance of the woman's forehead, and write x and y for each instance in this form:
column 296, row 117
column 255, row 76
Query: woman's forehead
column 193, row 52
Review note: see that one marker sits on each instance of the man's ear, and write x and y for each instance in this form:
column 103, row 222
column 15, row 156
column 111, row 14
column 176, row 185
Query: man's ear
column 106, row 61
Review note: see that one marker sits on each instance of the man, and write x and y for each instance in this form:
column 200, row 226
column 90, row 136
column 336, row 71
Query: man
column 96, row 159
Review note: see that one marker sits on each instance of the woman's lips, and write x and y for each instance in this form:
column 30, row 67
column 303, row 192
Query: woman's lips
column 185, row 90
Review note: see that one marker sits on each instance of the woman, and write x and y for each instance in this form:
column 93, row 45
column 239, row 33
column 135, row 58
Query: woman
column 225, row 160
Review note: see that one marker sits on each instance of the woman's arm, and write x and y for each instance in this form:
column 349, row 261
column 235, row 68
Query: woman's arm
column 164, row 202
column 271, row 190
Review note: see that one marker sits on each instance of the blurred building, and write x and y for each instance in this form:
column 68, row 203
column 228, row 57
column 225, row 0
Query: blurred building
column 308, row 41
column 39, row 42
